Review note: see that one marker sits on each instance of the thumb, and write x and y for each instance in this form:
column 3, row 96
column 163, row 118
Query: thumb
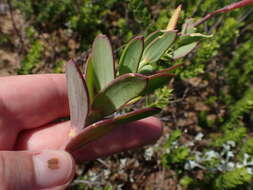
column 23, row 170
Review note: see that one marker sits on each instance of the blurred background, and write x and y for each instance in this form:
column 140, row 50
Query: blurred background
column 207, row 108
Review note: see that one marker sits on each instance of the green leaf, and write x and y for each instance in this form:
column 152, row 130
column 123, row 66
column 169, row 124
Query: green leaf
column 118, row 93
column 152, row 37
column 90, row 78
column 102, row 59
column 178, row 155
column 77, row 95
column 184, row 50
column 200, row 36
column 131, row 56
column 158, row 47
column 147, row 69
column 101, row 128
column 174, row 19
column 188, row 27
column 194, row 37
column 157, row 81
column 174, row 136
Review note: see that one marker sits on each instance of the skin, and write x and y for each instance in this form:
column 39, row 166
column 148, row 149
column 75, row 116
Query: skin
column 29, row 105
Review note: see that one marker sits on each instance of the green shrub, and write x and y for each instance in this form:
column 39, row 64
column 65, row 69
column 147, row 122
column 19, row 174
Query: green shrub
column 32, row 58
column 246, row 148
column 232, row 179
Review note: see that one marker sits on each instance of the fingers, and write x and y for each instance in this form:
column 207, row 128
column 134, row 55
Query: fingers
column 32, row 100
column 122, row 138
column 23, row 170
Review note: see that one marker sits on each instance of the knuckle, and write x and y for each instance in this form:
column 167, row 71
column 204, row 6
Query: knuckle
column 3, row 172
column 13, row 171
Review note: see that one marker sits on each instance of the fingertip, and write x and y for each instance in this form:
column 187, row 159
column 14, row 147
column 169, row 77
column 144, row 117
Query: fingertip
column 155, row 126
column 53, row 168
column 35, row 169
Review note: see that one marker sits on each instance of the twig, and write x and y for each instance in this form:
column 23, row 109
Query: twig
column 15, row 27
column 216, row 25
column 182, row 98
column 243, row 17
column 79, row 181
column 228, row 8
column 171, row 68
column 197, row 7
column 247, row 28
column 103, row 163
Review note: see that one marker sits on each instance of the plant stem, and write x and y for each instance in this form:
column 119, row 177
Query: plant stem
column 228, row 8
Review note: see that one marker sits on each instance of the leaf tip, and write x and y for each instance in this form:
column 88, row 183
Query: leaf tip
column 174, row 19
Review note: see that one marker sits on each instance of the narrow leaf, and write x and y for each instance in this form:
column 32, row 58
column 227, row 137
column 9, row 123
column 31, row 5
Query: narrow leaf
column 131, row 56
column 194, row 37
column 102, row 59
column 118, row 93
column 152, row 37
column 184, row 50
column 90, row 78
column 147, row 69
column 174, row 19
column 188, row 27
column 77, row 95
column 101, row 128
column 158, row 47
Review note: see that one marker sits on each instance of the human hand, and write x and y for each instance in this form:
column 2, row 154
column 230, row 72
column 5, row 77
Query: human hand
column 28, row 106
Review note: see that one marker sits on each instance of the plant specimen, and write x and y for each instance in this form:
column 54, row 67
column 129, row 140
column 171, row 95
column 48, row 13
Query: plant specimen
column 103, row 90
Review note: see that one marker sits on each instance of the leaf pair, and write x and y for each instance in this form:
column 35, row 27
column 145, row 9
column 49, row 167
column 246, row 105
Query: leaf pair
column 139, row 51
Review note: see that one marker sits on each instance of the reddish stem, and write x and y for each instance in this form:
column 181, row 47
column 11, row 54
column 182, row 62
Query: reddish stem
column 228, row 8
column 171, row 68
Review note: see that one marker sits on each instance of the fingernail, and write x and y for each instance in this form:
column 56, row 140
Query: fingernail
column 52, row 168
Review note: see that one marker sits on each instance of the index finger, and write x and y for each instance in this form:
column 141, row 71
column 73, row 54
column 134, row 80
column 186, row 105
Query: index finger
column 121, row 138
column 30, row 101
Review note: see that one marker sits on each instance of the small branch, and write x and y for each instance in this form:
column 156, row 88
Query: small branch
column 242, row 18
column 248, row 27
column 15, row 26
column 197, row 7
column 171, row 68
column 103, row 163
column 228, row 8
column 216, row 24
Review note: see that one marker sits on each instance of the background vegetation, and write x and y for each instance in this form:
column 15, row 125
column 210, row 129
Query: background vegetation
column 207, row 142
